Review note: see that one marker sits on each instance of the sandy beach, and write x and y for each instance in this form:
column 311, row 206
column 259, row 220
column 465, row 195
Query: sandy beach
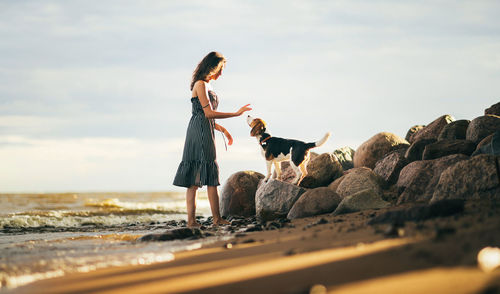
column 323, row 254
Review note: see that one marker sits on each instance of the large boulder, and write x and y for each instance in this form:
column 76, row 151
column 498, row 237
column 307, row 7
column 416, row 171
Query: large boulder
column 416, row 149
column 358, row 179
column 321, row 171
column 362, row 200
column 418, row 179
column 476, row 178
column 287, row 172
column 314, row 202
column 173, row 234
column 448, row 147
column 432, row 130
column 238, row 194
column 274, row 199
column 345, row 156
column 376, row 148
column 412, row 131
column 454, row 130
column 489, row 145
column 388, row 168
column 335, row 184
column 493, row 109
column 481, row 127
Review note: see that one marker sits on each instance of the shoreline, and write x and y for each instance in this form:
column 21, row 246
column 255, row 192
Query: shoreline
column 326, row 253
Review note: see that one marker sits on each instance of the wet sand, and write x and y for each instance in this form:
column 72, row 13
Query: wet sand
column 323, row 254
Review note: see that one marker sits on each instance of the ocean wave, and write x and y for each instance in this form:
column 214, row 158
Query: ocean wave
column 59, row 219
column 116, row 204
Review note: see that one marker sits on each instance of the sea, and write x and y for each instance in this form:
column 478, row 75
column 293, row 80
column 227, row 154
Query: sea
column 52, row 234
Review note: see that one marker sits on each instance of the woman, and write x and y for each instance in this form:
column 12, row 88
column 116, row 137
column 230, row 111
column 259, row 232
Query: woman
column 199, row 166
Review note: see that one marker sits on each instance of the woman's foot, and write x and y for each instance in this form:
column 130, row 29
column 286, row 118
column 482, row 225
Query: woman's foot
column 220, row 222
column 193, row 224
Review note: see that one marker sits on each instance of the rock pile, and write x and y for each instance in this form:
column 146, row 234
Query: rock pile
column 446, row 160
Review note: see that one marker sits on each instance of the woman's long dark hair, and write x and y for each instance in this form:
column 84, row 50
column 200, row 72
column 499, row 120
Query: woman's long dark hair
column 208, row 66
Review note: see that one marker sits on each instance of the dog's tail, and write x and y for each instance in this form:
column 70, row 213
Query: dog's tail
column 320, row 142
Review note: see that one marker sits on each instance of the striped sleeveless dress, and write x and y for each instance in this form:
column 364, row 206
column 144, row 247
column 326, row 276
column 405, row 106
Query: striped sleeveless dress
column 199, row 165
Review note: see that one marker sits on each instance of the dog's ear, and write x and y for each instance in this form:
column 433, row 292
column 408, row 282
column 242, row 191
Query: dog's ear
column 258, row 127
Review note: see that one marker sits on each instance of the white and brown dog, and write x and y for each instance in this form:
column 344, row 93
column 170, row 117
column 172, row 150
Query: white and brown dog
column 277, row 149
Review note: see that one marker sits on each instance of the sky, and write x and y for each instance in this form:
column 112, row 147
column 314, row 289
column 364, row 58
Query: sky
column 94, row 95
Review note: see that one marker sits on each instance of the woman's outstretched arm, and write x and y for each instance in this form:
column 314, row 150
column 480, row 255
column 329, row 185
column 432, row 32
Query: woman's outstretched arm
column 202, row 92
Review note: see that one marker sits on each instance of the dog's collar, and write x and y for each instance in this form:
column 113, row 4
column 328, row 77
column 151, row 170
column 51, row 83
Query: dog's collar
column 263, row 141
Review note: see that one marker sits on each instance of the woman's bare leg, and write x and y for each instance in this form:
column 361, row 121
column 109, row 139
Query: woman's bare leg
column 213, row 198
column 191, row 206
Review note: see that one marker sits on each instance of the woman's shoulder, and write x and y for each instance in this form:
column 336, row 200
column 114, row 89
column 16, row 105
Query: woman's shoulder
column 202, row 86
column 200, row 83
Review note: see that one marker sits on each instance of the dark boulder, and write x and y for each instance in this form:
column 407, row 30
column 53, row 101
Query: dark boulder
column 321, row 171
column 376, row 148
column 359, row 179
column 418, row 179
column 388, row 168
column 362, row 200
column 416, row 150
column 432, row 130
column 238, row 194
column 481, row 127
column 174, row 234
column 448, row 147
column 489, row 145
column 493, row 109
column 314, row 202
column 454, row 130
column 274, row 199
column 412, row 131
column 476, row 178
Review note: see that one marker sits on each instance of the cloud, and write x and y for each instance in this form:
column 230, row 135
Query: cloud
column 87, row 164
column 120, row 70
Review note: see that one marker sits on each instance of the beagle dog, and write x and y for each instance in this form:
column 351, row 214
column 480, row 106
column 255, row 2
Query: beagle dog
column 277, row 149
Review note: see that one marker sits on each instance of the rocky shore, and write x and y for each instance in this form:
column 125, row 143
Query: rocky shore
column 419, row 214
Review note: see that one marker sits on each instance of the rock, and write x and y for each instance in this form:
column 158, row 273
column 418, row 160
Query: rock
column 485, row 141
column 358, row 179
column 481, row 127
column 314, row 202
column 345, row 156
column 454, row 130
column 335, row 184
column 274, row 199
column 321, row 171
column 174, row 234
column 287, row 173
column 418, row 179
column 416, row 149
column 448, row 147
column 420, row 212
column 362, row 200
column 238, row 194
column 494, row 109
column 489, row 145
column 376, row 148
column 476, row 178
column 432, row 130
column 412, row 131
column 389, row 167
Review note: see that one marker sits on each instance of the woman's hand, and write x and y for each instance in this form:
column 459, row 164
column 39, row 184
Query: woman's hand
column 229, row 137
column 243, row 109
